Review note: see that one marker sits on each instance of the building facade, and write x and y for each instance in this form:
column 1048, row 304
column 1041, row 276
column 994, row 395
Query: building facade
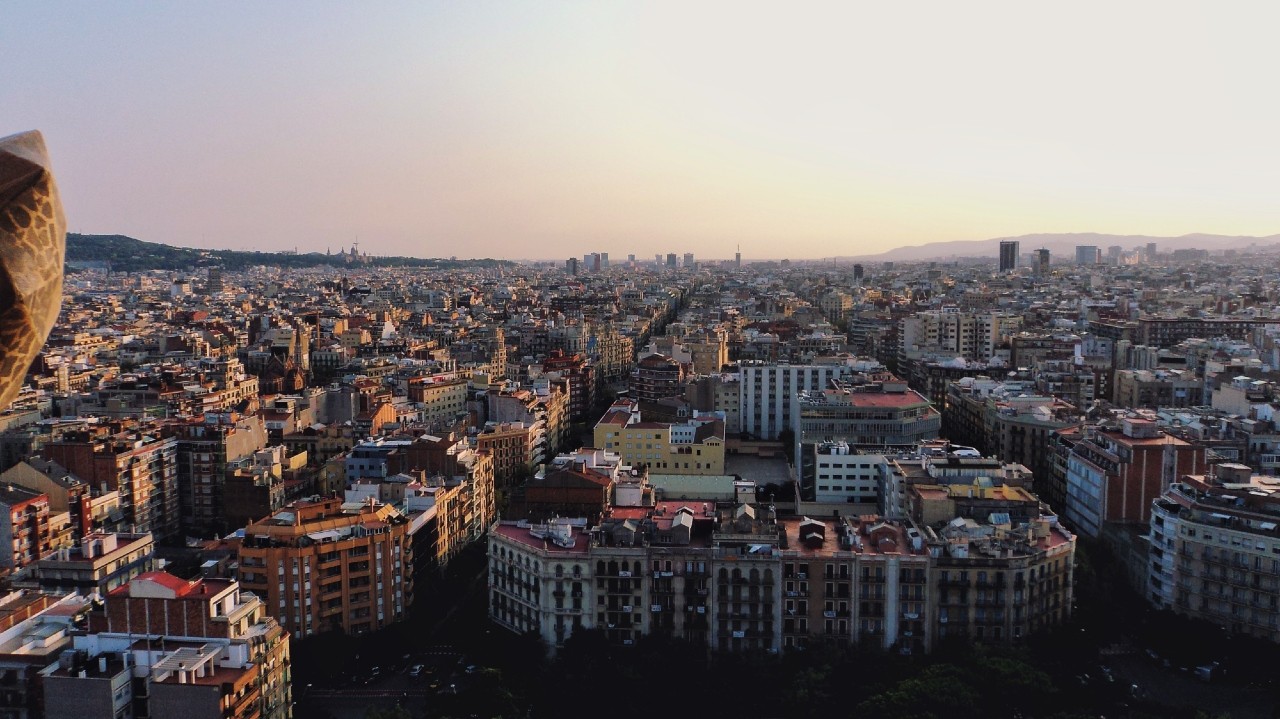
column 324, row 565
column 1215, row 550
column 731, row 575
column 1114, row 474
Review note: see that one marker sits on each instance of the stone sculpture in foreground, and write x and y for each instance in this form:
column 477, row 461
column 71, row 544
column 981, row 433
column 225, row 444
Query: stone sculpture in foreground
column 32, row 246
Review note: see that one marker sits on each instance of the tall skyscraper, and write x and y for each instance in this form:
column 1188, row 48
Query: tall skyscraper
column 1008, row 255
column 604, row 260
column 1087, row 254
column 671, row 260
column 1151, row 251
column 1042, row 261
column 857, row 272
column 688, row 260
column 737, row 258
column 571, row 265
column 215, row 281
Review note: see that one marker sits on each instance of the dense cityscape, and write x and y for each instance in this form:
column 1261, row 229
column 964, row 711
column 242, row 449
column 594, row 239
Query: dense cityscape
column 515, row 360
column 364, row 491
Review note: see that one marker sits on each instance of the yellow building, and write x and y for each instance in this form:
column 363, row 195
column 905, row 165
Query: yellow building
column 442, row 396
column 692, row 447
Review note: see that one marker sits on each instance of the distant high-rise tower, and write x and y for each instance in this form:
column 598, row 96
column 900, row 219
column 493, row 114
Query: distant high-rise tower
column 857, row 272
column 1008, row 255
column 1042, row 261
column 671, row 260
column 1113, row 254
column 215, row 281
column 1087, row 254
column 631, row 259
column 571, row 266
column 595, row 262
column 1151, row 251
column 604, row 260
column 688, row 260
column 737, row 258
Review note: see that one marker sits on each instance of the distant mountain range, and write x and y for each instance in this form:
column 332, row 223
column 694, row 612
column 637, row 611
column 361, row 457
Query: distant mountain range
column 126, row 254
column 1062, row 245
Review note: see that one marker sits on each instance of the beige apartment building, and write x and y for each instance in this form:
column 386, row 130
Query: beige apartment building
column 696, row 446
column 1215, row 550
column 732, row 575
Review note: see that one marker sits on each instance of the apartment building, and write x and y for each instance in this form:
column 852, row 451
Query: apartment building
column 840, row 474
column 141, row 466
column 699, row 353
column 67, row 493
column 1215, row 550
column 323, row 565
column 1005, row 420
column 695, row 446
column 579, row 484
column 656, row 377
column 768, row 390
column 97, row 564
column 943, row 464
column 376, row 458
column 579, row 373
column 1115, row 472
column 1169, row 331
column 35, row 629
column 1141, row 388
column 718, row 393
column 882, row 415
column 971, row 335
column 206, row 447
column 642, row 571
column 25, row 534
column 732, row 575
column 462, row 503
column 857, row 579
column 167, row 647
column 442, row 397
column 515, row 448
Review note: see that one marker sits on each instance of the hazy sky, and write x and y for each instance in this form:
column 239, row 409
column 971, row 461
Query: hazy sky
column 546, row 130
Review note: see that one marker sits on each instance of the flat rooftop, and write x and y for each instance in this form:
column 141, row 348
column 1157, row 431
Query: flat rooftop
column 761, row 470
column 522, row 535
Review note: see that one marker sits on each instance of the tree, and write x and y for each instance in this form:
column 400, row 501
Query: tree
column 395, row 712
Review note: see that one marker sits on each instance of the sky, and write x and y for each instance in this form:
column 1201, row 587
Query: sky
column 548, row 130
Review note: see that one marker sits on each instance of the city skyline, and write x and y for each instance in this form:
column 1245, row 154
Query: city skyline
column 541, row 132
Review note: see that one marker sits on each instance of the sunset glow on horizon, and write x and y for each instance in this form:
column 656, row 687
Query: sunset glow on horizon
column 545, row 130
